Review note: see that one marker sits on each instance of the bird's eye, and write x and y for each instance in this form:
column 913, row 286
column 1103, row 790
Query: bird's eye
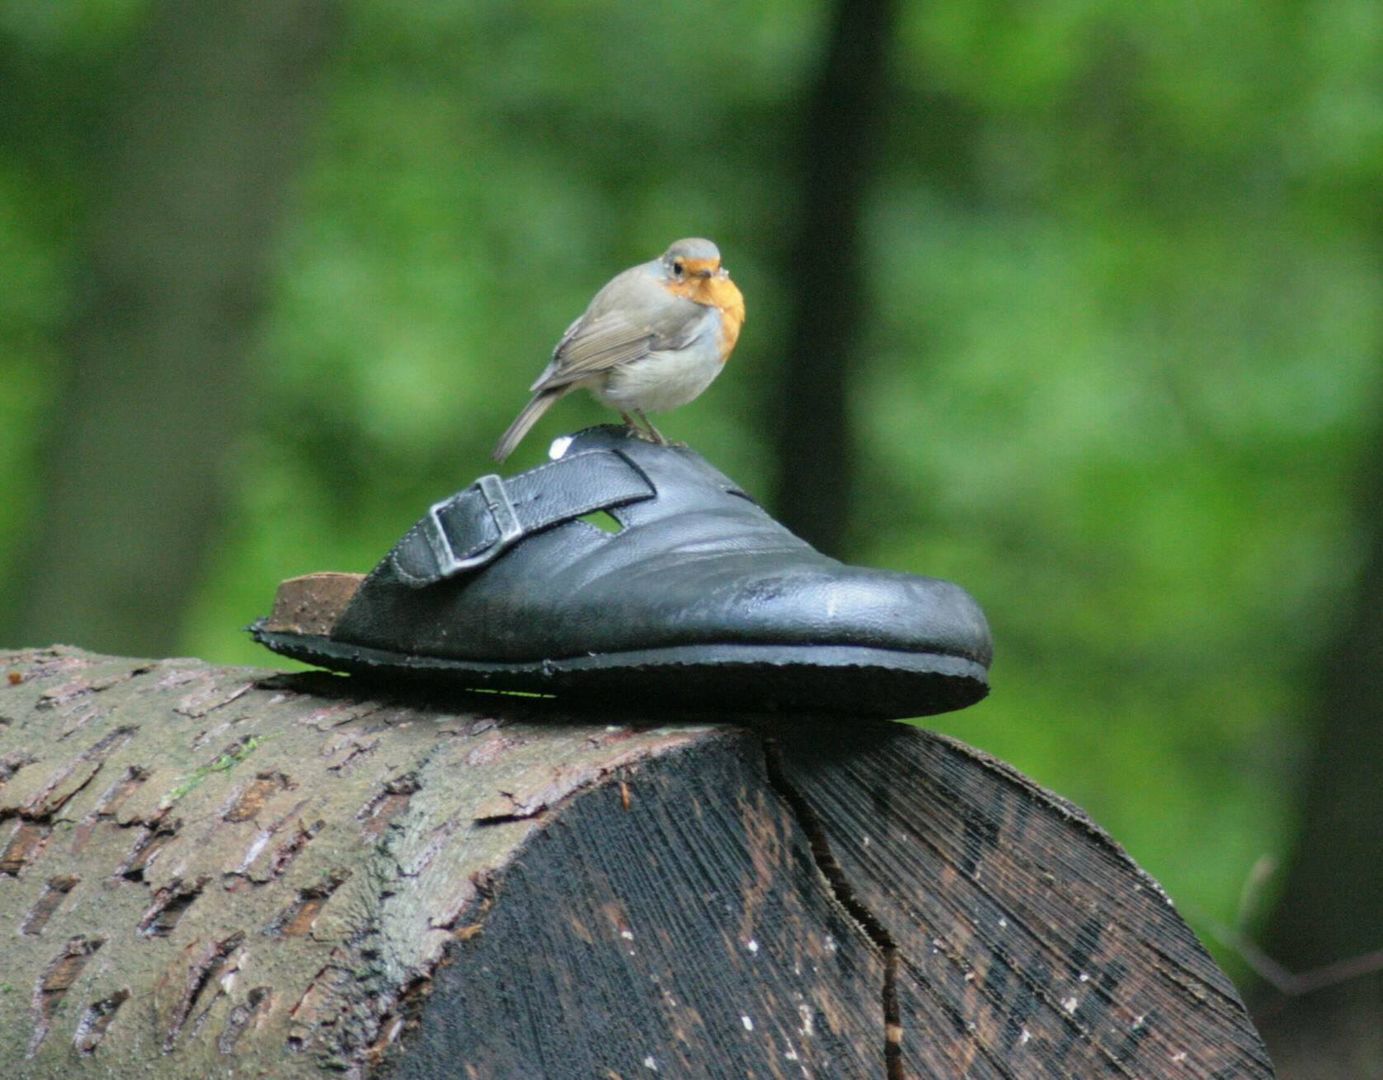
column 677, row 268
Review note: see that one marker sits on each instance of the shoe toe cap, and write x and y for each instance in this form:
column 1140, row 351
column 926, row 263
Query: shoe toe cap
column 843, row 605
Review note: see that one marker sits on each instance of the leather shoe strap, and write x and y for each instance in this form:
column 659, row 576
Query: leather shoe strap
column 473, row 527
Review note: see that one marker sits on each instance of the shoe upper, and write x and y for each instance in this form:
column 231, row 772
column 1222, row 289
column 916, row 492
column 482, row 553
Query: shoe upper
column 508, row 571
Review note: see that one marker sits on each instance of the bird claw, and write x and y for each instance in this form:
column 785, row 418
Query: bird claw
column 647, row 432
column 656, row 437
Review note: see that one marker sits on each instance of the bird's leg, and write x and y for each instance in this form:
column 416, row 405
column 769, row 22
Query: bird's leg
column 652, row 431
column 629, row 422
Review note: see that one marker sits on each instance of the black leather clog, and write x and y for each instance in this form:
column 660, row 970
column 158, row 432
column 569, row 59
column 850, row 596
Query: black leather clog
column 699, row 598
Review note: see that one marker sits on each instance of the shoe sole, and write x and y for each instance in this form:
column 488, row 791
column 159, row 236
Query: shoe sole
column 851, row 679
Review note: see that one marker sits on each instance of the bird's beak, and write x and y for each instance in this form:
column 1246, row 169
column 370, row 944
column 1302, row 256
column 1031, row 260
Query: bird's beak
column 723, row 273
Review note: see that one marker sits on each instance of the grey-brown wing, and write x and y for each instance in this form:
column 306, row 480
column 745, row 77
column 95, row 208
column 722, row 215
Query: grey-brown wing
column 610, row 333
column 593, row 346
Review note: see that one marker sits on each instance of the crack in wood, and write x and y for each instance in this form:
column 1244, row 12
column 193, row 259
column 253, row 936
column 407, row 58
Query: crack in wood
column 480, row 898
column 108, row 805
column 77, row 689
column 55, row 696
column 153, row 838
column 43, row 805
column 540, row 794
column 47, row 903
column 200, row 975
column 406, row 1014
column 386, row 804
column 291, row 848
column 12, row 762
column 323, row 1014
column 358, row 749
column 845, row 895
column 26, row 844
column 296, row 920
column 243, row 876
column 170, row 904
column 257, row 1002
column 257, row 792
column 91, row 1029
column 210, row 697
column 56, row 980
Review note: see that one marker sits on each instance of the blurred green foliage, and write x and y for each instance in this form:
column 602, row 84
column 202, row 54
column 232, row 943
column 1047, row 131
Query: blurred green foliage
column 1123, row 353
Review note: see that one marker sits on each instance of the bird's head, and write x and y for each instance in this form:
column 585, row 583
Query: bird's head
column 691, row 259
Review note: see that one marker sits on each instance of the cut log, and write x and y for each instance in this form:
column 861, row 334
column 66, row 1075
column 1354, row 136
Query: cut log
column 233, row 872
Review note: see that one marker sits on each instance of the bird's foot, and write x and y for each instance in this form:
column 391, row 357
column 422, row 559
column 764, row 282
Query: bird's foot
column 654, row 435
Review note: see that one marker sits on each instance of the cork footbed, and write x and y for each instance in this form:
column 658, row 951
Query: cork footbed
column 311, row 604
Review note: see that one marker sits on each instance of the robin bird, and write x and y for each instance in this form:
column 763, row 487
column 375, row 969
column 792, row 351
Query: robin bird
column 652, row 339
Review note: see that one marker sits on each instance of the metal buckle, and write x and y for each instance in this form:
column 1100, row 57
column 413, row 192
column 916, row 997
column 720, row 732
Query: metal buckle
column 497, row 502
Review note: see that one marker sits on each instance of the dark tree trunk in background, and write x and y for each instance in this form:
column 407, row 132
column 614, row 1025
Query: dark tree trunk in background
column 839, row 148
column 1331, row 906
column 203, row 142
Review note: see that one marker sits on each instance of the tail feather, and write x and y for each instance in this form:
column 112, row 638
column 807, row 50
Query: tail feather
column 528, row 416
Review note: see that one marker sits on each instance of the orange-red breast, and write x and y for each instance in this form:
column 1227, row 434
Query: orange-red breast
column 652, row 339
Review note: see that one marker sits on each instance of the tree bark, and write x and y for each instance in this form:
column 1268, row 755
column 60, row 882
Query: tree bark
column 212, row 871
column 838, row 152
column 203, row 143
